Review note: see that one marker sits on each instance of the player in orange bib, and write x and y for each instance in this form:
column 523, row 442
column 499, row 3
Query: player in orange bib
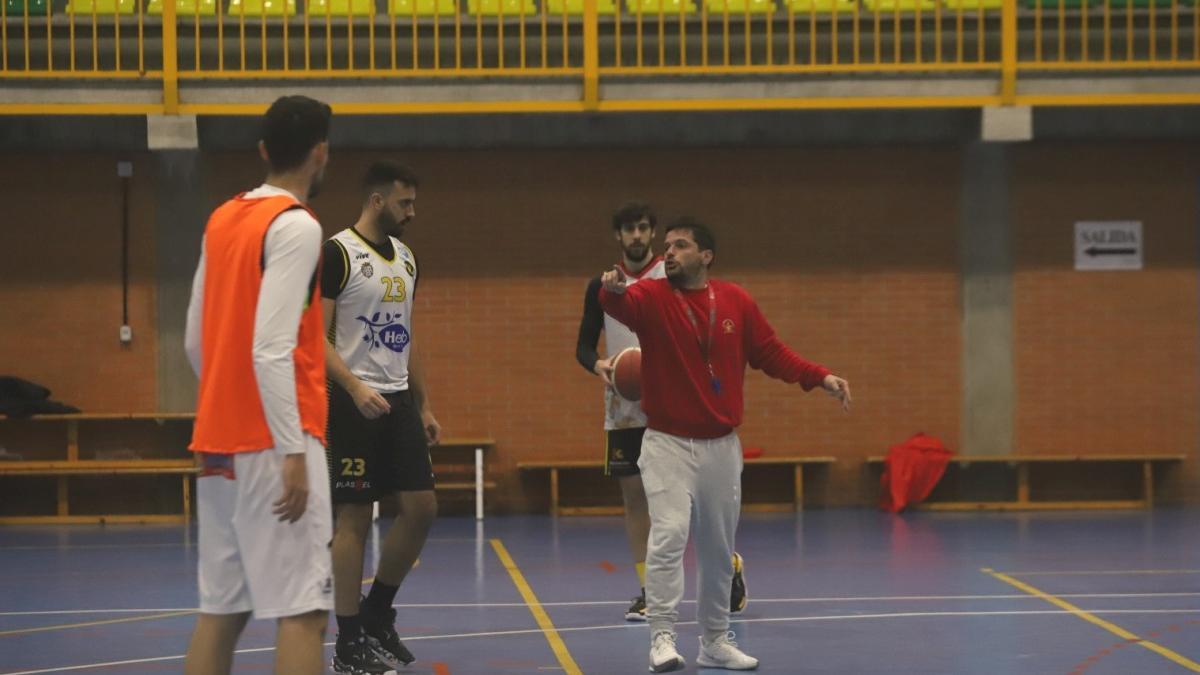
column 255, row 338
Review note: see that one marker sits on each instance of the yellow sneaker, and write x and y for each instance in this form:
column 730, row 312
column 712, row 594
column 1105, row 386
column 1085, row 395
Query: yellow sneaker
column 738, row 598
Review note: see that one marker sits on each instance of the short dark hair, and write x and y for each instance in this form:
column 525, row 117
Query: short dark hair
column 703, row 234
column 381, row 175
column 631, row 213
column 292, row 127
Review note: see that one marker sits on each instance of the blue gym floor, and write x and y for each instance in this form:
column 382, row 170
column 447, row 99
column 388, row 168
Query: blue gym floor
column 840, row 591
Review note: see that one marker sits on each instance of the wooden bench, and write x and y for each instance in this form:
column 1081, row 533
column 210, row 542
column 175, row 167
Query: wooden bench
column 557, row 466
column 478, row 484
column 1023, row 499
column 181, row 465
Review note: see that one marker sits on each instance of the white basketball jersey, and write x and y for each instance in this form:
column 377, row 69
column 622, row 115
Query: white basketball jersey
column 372, row 322
column 619, row 413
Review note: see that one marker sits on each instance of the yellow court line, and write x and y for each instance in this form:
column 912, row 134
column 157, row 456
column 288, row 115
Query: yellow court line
column 1092, row 618
column 543, row 620
column 87, row 624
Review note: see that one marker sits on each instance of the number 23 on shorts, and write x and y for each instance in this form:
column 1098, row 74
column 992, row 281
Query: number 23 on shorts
column 353, row 466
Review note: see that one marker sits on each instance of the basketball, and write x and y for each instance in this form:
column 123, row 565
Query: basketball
column 627, row 374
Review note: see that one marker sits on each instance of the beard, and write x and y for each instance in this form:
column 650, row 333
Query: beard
column 390, row 225
column 675, row 273
column 637, row 252
column 680, row 275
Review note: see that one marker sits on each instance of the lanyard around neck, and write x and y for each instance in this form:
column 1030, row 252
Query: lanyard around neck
column 705, row 345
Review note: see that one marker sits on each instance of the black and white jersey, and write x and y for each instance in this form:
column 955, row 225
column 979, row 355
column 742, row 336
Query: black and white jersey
column 372, row 286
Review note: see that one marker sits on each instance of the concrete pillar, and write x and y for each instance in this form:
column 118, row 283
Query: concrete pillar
column 171, row 132
column 987, row 265
column 1006, row 124
column 179, row 214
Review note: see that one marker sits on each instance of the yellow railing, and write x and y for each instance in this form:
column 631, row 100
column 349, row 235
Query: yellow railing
column 1118, row 34
column 176, row 41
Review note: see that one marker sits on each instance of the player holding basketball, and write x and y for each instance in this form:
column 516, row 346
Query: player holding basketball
column 380, row 422
column 697, row 336
column 624, row 422
column 254, row 337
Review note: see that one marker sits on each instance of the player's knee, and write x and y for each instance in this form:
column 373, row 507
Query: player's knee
column 223, row 626
column 308, row 622
column 633, row 491
column 669, row 537
column 354, row 520
column 420, row 508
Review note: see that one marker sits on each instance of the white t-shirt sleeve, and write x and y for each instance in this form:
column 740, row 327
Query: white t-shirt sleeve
column 290, row 253
column 195, row 313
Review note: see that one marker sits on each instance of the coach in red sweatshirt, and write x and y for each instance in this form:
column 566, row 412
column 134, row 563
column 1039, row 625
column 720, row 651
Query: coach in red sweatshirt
column 697, row 334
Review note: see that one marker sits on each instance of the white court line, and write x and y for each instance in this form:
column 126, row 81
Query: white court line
column 626, row 626
column 92, row 546
column 597, row 603
column 1063, row 573
column 179, row 544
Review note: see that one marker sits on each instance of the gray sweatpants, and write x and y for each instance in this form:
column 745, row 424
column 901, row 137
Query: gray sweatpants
column 691, row 481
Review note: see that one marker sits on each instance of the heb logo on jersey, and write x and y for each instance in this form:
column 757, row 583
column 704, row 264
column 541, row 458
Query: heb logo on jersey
column 384, row 330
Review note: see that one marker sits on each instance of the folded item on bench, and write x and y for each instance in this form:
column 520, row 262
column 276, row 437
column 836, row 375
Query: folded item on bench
column 912, row 470
column 22, row 398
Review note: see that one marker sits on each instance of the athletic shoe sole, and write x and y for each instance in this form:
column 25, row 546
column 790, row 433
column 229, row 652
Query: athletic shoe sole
column 338, row 667
column 676, row 664
column 705, row 663
column 386, row 656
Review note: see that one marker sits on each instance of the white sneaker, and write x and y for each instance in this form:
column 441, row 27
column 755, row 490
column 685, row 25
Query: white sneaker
column 663, row 656
column 724, row 653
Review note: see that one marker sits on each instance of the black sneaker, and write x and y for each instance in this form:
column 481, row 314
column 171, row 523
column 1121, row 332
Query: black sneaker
column 637, row 611
column 381, row 635
column 737, row 592
column 356, row 657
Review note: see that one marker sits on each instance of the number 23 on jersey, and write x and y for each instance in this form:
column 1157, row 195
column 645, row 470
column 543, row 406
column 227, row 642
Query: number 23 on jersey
column 394, row 289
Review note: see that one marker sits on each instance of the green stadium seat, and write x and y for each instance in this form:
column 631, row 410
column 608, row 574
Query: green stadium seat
column 821, row 6
column 18, row 7
column 102, row 6
column 501, row 7
column 185, row 7
column 340, row 7
column 886, row 6
column 603, row 7
column 253, row 8
column 740, row 6
column 669, row 7
column 423, row 7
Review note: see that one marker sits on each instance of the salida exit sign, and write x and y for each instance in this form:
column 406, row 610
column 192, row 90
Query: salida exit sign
column 1108, row 245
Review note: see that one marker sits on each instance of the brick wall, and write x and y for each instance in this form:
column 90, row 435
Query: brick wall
column 1107, row 361
column 60, row 281
column 852, row 255
column 851, row 252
